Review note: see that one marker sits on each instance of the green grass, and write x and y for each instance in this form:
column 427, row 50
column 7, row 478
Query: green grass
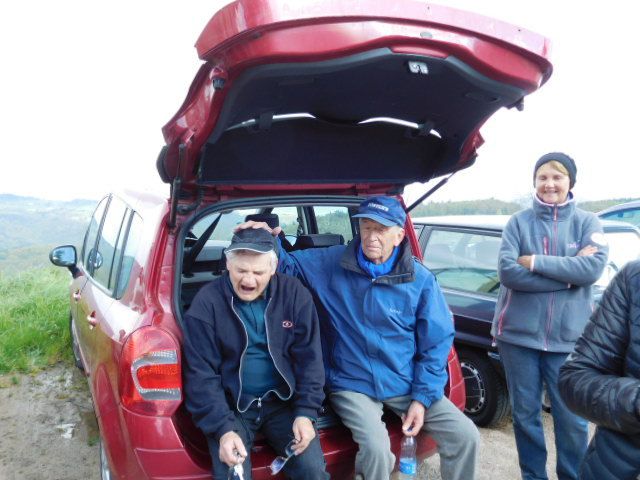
column 34, row 320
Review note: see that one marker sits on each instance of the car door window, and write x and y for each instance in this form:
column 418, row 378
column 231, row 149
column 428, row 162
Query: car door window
column 334, row 220
column 111, row 237
column 463, row 260
column 127, row 258
column 290, row 220
column 224, row 229
column 631, row 215
column 88, row 248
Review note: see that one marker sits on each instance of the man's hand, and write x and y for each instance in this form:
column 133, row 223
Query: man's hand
column 413, row 420
column 525, row 261
column 303, row 432
column 232, row 449
column 587, row 251
column 263, row 225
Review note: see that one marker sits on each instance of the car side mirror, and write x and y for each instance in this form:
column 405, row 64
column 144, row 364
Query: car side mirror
column 64, row 256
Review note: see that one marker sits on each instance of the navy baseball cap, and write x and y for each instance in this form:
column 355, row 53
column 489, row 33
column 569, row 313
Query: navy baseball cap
column 254, row 239
column 384, row 210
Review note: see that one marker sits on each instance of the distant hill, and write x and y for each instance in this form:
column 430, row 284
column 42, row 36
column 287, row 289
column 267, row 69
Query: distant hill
column 30, row 227
column 488, row 206
column 491, row 206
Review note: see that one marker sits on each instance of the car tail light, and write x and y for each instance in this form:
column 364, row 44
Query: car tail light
column 151, row 373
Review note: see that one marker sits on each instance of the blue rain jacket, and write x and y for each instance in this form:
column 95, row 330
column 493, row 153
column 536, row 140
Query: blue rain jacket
column 383, row 337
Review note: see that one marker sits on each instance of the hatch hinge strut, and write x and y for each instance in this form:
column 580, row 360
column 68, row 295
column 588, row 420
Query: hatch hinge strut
column 176, row 186
column 430, row 192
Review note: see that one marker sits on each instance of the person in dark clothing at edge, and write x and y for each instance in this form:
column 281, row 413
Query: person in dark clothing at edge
column 550, row 256
column 254, row 361
column 600, row 380
column 386, row 333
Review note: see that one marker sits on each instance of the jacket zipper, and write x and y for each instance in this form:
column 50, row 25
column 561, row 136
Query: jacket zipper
column 246, row 336
column 244, row 350
column 266, row 329
column 553, row 296
column 502, row 313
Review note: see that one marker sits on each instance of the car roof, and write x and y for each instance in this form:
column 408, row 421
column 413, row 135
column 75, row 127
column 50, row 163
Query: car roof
column 621, row 206
column 488, row 222
column 498, row 222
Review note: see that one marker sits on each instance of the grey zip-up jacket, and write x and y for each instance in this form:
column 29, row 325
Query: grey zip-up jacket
column 546, row 308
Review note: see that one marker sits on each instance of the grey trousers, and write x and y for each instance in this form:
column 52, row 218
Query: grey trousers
column 457, row 437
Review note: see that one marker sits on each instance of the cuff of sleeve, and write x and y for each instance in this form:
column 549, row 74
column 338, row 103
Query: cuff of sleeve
column 311, row 419
column 424, row 399
column 533, row 261
column 227, row 427
column 309, row 413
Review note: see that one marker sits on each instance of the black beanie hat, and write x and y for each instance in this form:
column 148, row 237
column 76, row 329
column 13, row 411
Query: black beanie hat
column 564, row 159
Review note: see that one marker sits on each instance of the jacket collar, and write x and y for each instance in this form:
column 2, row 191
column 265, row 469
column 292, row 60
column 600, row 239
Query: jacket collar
column 402, row 272
column 559, row 212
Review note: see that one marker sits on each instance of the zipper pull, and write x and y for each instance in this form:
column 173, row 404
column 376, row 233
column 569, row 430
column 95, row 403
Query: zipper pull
column 259, row 417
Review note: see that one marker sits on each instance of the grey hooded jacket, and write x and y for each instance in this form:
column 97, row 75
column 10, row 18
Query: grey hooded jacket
column 546, row 308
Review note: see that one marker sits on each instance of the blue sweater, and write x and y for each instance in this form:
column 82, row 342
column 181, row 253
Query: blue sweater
column 383, row 337
column 259, row 373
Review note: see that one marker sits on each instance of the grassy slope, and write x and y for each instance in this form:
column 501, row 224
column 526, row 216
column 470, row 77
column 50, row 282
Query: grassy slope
column 34, row 318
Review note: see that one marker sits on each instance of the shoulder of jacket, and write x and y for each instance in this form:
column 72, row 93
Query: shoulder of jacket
column 585, row 214
column 209, row 289
column 631, row 270
column 421, row 271
column 287, row 280
column 291, row 284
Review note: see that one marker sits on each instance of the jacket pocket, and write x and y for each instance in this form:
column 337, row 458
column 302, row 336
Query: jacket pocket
column 524, row 313
column 574, row 317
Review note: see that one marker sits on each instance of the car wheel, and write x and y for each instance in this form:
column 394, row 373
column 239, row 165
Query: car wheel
column 487, row 402
column 75, row 348
column 105, row 471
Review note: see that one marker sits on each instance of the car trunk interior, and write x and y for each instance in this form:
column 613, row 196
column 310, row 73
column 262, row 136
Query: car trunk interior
column 312, row 221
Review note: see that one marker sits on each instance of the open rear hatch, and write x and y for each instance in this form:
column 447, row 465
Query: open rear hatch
column 348, row 97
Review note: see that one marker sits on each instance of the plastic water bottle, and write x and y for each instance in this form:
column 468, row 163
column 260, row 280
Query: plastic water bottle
column 408, row 462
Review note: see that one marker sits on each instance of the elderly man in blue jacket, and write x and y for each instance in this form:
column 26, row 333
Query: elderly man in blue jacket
column 386, row 333
column 254, row 361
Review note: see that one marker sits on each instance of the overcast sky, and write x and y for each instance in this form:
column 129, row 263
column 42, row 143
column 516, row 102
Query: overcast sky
column 86, row 87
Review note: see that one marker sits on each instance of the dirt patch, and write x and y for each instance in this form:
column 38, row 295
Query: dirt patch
column 49, row 432
column 48, row 427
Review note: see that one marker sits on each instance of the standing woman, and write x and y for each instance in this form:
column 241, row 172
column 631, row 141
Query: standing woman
column 550, row 256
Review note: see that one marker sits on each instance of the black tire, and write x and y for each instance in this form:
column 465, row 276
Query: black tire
column 487, row 402
column 105, row 470
column 74, row 346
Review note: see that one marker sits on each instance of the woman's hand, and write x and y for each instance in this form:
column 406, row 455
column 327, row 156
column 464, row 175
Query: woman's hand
column 525, row 261
column 586, row 251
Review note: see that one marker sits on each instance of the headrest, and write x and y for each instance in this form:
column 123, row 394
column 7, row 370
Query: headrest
column 270, row 219
column 318, row 240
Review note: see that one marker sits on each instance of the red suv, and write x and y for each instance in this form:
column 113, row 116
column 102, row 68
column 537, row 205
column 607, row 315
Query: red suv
column 298, row 111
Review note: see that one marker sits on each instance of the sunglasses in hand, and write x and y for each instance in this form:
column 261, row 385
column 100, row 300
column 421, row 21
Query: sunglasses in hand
column 279, row 462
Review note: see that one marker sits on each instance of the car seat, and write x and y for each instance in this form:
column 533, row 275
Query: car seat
column 273, row 221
